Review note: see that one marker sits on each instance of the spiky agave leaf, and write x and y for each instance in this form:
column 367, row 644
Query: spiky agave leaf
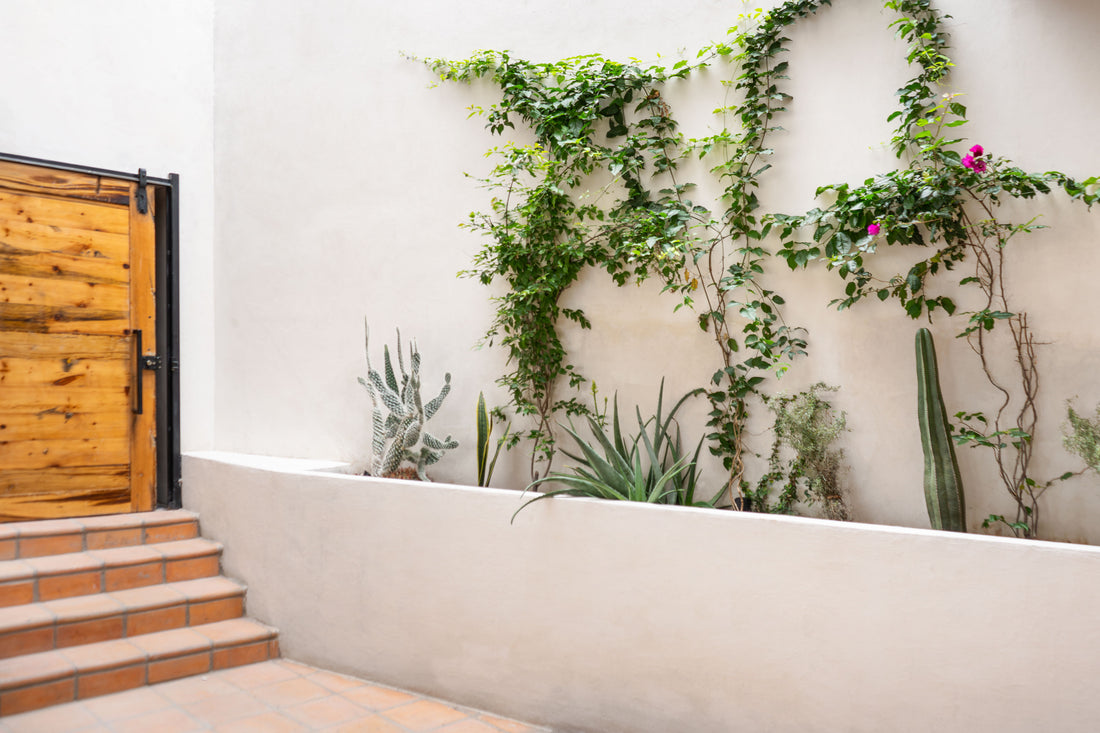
column 611, row 470
column 617, row 433
column 618, row 456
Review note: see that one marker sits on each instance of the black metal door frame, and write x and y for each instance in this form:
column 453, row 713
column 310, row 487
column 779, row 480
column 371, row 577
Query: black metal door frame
column 167, row 223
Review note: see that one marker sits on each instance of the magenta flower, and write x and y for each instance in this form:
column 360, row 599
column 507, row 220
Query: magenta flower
column 873, row 229
column 979, row 166
column 968, row 161
column 977, row 150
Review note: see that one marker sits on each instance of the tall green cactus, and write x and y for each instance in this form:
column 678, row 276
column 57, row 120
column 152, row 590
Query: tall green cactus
column 943, row 488
column 400, row 436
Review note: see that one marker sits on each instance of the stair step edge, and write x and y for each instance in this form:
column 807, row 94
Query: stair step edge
column 46, row 527
column 74, row 562
column 43, row 538
column 76, row 609
column 58, row 664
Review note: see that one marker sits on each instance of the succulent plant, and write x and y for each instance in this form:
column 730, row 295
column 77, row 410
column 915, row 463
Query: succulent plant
column 399, row 436
column 635, row 468
column 943, row 487
column 485, row 467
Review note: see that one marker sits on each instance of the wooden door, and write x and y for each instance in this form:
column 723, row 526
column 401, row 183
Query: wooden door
column 77, row 280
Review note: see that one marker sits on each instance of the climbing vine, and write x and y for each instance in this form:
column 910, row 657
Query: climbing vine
column 601, row 186
column 540, row 235
column 588, row 114
column 948, row 202
column 728, row 253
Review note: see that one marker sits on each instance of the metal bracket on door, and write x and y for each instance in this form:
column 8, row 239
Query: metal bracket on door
column 143, row 362
column 142, row 198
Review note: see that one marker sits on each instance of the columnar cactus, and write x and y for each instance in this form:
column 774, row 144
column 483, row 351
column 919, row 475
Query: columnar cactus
column 400, row 435
column 943, row 488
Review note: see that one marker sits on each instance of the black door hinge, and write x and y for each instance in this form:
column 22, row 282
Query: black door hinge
column 142, row 197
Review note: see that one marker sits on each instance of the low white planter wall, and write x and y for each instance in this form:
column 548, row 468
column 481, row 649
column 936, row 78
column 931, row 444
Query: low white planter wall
column 612, row 617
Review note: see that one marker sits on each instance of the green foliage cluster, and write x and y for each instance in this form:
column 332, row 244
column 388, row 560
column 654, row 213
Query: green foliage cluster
column 589, row 115
column 601, row 187
column 727, row 249
column 1081, row 437
column 808, row 425
column 947, row 202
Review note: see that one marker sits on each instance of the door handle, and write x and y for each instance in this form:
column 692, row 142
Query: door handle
column 142, row 363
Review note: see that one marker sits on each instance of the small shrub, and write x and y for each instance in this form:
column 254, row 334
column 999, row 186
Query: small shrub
column 808, row 425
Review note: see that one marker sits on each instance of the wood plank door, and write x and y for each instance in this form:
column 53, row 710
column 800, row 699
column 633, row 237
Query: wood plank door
column 77, row 281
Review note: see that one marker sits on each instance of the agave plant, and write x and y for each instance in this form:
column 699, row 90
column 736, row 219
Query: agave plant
column 652, row 469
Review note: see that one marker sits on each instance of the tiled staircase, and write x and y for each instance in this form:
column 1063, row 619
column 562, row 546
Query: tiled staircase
column 103, row 604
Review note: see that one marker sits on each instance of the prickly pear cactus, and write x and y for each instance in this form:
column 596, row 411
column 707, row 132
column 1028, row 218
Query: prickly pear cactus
column 398, row 431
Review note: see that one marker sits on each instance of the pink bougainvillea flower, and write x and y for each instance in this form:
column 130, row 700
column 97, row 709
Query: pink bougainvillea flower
column 968, row 161
column 977, row 150
column 873, row 229
column 979, row 166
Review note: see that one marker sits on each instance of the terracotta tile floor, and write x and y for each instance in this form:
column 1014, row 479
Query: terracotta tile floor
column 269, row 697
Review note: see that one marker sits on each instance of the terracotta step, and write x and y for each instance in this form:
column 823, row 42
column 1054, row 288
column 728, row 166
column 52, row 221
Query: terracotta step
column 61, row 536
column 50, row 577
column 34, row 681
column 42, row 626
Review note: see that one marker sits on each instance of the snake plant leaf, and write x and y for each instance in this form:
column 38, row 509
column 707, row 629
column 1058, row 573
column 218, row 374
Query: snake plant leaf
column 496, row 454
column 484, row 432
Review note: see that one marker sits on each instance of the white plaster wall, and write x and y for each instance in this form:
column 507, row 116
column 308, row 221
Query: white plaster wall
column 611, row 617
column 124, row 85
column 340, row 187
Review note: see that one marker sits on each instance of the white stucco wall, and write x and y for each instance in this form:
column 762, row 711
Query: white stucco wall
column 339, row 179
column 125, row 85
column 340, row 186
column 612, row 617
